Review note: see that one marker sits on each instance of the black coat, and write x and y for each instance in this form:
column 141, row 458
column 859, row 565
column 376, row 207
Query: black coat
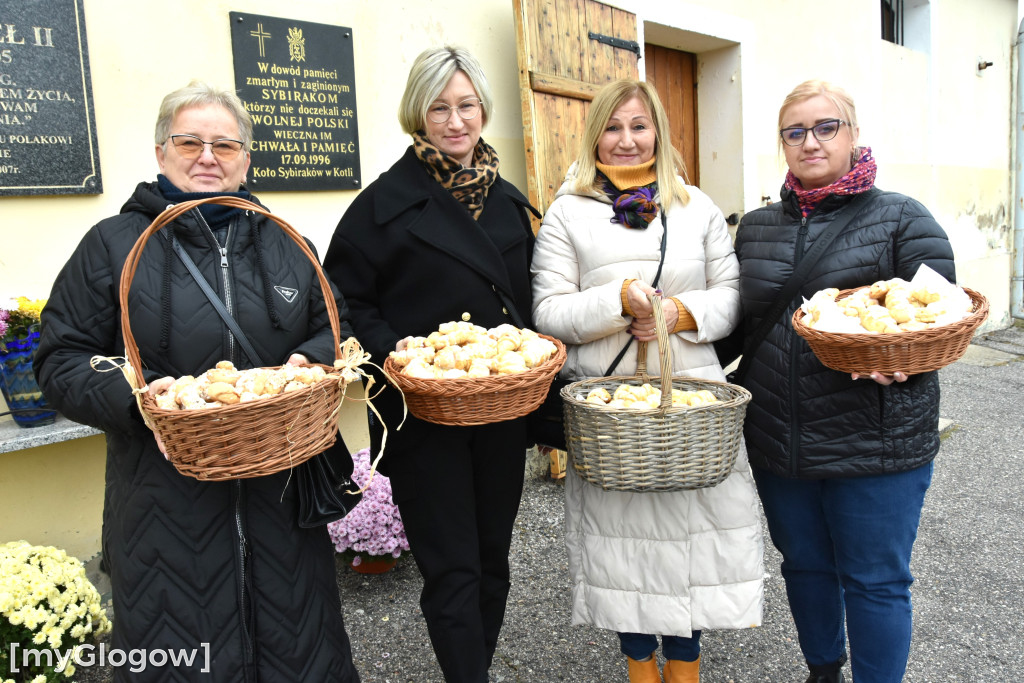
column 196, row 562
column 408, row 257
column 806, row 420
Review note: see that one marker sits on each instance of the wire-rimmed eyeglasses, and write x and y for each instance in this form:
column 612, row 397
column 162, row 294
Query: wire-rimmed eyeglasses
column 190, row 146
column 823, row 132
column 439, row 112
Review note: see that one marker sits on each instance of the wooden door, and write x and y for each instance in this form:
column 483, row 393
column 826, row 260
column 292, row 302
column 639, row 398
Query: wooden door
column 674, row 74
column 567, row 49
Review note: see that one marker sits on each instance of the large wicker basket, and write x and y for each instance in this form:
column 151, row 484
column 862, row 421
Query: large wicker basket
column 244, row 440
column 477, row 400
column 908, row 352
column 664, row 449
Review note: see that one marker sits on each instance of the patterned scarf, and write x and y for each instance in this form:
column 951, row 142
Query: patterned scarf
column 859, row 179
column 468, row 184
column 632, row 198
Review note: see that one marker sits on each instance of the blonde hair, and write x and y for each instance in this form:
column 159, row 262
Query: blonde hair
column 833, row 93
column 430, row 74
column 197, row 94
column 668, row 163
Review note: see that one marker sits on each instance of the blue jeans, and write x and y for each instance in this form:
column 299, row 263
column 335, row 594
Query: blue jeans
column 846, row 547
column 640, row 645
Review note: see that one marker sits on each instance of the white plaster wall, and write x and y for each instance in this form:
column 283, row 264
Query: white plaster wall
column 940, row 131
column 138, row 53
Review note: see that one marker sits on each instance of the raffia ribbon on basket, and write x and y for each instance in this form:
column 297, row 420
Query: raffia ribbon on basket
column 351, row 361
column 349, row 364
column 121, row 363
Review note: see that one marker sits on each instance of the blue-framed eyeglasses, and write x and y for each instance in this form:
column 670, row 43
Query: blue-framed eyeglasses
column 823, row 132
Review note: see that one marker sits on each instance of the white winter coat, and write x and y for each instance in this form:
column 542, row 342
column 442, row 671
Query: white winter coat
column 661, row 563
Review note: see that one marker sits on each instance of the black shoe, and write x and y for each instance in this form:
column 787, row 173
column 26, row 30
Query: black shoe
column 836, row 677
column 829, row 673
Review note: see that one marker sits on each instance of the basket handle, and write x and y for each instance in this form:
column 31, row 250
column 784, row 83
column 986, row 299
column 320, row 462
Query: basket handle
column 664, row 352
column 131, row 264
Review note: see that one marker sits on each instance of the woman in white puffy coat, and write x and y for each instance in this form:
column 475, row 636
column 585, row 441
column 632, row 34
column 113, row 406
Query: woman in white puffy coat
column 646, row 564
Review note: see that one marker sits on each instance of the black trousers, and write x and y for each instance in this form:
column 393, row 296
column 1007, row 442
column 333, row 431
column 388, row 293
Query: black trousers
column 458, row 491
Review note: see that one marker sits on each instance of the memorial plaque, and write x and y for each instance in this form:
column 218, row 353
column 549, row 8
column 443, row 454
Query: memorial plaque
column 47, row 123
column 297, row 80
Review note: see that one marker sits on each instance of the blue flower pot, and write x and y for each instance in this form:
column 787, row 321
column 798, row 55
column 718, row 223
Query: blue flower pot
column 24, row 399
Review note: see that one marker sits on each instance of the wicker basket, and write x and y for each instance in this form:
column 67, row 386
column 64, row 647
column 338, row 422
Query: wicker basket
column 907, row 352
column 244, row 440
column 477, row 400
column 664, row 449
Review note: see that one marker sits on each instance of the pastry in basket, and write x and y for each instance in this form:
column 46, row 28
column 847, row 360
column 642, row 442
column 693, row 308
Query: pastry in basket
column 473, row 351
column 224, row 385
column 646, row 397
column 887, row 307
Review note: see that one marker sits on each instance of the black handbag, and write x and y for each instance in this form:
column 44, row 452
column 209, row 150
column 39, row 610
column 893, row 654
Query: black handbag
column 546, row 424
column 324, row 483
column 325, row 487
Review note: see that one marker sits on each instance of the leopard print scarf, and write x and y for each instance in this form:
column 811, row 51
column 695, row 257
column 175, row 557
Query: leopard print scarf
column 468, row 185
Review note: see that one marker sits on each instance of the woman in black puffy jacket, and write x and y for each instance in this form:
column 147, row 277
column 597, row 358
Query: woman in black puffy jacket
column 216, row 569
column 842, row 462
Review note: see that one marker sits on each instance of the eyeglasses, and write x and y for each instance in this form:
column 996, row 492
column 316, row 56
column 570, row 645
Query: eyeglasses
column 823, row 132
column 440, row 112
column 190, row 147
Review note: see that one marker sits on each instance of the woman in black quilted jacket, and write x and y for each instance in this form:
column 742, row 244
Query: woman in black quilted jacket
column 218, row 570
column 842, row 462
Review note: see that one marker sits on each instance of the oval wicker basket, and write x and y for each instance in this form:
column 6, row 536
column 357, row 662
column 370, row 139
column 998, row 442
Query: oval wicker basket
column 908, row 352
column 250, row 439
column 664, row 449
column 477, row 400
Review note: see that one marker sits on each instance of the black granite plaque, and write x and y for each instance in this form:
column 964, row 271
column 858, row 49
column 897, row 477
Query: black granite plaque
column 47, row 125
column 297, row 79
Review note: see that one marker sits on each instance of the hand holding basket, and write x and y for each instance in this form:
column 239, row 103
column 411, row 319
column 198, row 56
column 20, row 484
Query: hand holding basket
column 249, row 439
column 664, row 449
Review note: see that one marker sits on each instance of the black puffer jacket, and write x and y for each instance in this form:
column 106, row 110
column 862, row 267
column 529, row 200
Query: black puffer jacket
column 193, row 562
column 806, row 420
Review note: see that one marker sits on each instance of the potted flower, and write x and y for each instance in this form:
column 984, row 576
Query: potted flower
column 47, row 606
column 19, row 338
column 371, row 535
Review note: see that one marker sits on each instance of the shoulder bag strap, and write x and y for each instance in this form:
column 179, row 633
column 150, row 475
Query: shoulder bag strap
column 657, row 276
column 218, row 305
column 796, row 280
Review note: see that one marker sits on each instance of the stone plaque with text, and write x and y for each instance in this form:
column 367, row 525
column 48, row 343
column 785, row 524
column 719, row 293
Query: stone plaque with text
column 297, row 80
column 47, row 123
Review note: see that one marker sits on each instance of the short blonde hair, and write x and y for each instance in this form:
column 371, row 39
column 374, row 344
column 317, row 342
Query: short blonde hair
column 197, row 94
column 833, row 93
column 430, row 74
column 668, row 162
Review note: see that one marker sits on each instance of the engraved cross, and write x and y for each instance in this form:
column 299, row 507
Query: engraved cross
column 260, row 35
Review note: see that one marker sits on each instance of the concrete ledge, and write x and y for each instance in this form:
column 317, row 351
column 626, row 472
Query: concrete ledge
column 16, row 438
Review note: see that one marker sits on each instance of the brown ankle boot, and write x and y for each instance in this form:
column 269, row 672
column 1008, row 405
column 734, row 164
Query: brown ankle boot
column 678, row 671
column 643, row 672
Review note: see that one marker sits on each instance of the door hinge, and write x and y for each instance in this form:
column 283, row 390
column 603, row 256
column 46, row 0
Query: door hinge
column 630, row 45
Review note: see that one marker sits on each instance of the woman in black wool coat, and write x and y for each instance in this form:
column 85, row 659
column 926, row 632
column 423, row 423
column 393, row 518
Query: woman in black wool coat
column 216, row 568
column 440, row 237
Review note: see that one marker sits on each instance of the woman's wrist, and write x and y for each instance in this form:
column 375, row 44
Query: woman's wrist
column 686, row 321
column 624, row 296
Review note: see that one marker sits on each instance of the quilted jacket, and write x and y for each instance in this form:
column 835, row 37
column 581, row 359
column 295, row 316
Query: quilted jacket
column 806, row 420
column 663, row 563
column 191, row 562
